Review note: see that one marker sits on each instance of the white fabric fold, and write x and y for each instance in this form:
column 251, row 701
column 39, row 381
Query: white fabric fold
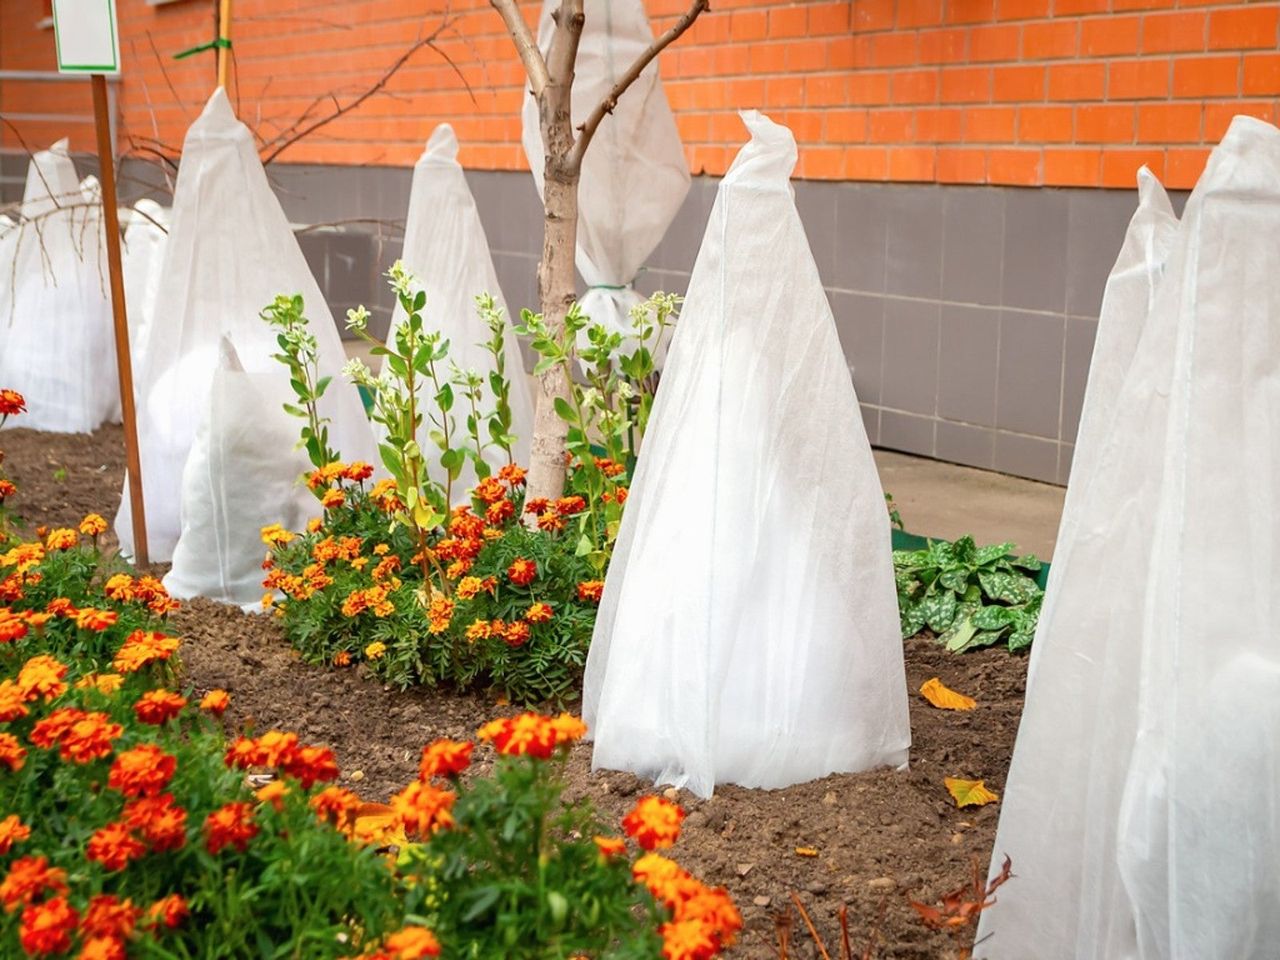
column 1142, row 808
column 230, row 252
column 749, row 629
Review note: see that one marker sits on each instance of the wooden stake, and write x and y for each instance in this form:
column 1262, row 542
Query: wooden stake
column 124, row 365
column 224, row 33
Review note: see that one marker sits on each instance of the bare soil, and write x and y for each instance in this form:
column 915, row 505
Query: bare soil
column 882, row 837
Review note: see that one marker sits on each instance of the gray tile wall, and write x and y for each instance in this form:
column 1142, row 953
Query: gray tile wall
column 967, row 314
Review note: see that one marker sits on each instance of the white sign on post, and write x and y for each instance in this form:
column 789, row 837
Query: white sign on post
column 86, row 36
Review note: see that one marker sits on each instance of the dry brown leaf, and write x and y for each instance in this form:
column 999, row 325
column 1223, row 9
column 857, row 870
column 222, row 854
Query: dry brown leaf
column 969, row 793
column 944, row 698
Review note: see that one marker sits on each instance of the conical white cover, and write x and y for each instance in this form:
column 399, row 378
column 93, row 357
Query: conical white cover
column 749, row 627
column 143, row 265
column 1126, row 304
column 446, row 250
column 58, row 345
column 1142, row 810
column 230, row 253
column 634, row 174
column 242, row 475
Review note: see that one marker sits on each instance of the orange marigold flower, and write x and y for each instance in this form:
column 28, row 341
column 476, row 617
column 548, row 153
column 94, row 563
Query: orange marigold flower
column 338, row 807
column 311, row 765
column 500, row 512
column 538, row 613
column 242, row 752
column 231, row 825
column 665, row 879
column 50, row 730
column 385, row 567
column 568, row 728
column 7, row 489
column 489, row 490
column 93, row 525
column 713, row 907
column 273, row 793
column 591, row 591
column 159, row 820
column 97, row 620
column 62, row 538
column 326, row 475
column 41, row 676
column 168, row 911
column 61, row 607
column 143, row 647
column 423, row 809
column 439, row 614
column 276, row 748
column 529, row 734
column 159, row 706
column 687, row 940
column 654, row 822
column 143, row 771
column 89, row 738
column 516, row 634
column 12, row 702
column 512, row 474
column 411, row 943
column 108, row 916
column 13, row 626
column 478, row 630
column 333, row 499
column 608, row 467
column 568, row 506
column 537, row 506
column 550, row 521
column 315, row 525
column 610, row 847
column 46, row 928
column 522, row 571
column 12, row 403
column 358, row 471
column 12, row 753
column 342, row 659
column 105, row 683
column 457, row 569
column 29, row 878
column 444, row 758
column 12, row 830
column 216, row 702
column 102, row 948
column 469, row 587
column 114, row 846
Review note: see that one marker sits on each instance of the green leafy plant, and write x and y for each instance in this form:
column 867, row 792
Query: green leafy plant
column 300, row 353
column 895, row 517
column 608, row 414
column 969, row 596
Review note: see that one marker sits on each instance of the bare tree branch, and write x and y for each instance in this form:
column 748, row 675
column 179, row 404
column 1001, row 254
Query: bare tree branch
column 31, row 157
column 562, row 55
column 587, row 130
column 293, row 135
column 526, row 46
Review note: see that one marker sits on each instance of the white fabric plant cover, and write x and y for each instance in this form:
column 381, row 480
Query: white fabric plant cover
column 1126, row 304
column 749, row 627
column 242, row 474
column 145, row 239
column 1142, row 809
column 59, row 350
column 446, row 250
column 230, row 253
column 634, row 174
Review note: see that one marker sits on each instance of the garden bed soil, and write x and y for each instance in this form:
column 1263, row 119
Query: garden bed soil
column 881, row 837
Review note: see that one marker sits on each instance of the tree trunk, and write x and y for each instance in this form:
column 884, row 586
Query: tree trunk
column 557, row 289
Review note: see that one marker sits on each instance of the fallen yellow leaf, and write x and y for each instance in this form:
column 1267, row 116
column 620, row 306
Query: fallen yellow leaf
column 806, row 852
column 944, row 698
column 969, row 793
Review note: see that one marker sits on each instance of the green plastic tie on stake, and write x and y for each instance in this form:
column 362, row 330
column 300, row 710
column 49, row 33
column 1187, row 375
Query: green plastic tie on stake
column 223, row 42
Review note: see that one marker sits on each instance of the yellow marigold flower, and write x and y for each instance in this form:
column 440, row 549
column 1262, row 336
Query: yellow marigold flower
column 469, row 587
column 315, row 525
column 104, row 683
column 61, row 539
column 268, row 601
column 478, row 630
column 538, row 613
column 375, row 650
column 93, row 525
column 610, row 847
column 439, row 615
column 24, row 556
column 381, row 549
column 119, row 587
column 12, row 830
column 333, row 499
column 273, row 793
column 276, row 535
column 216, row 702
column 41, row 676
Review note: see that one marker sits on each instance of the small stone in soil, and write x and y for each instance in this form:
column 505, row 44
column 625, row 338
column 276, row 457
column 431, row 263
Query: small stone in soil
column 762, row 901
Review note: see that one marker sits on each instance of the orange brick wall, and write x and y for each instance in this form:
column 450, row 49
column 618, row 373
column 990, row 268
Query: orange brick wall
column 1024, row 92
